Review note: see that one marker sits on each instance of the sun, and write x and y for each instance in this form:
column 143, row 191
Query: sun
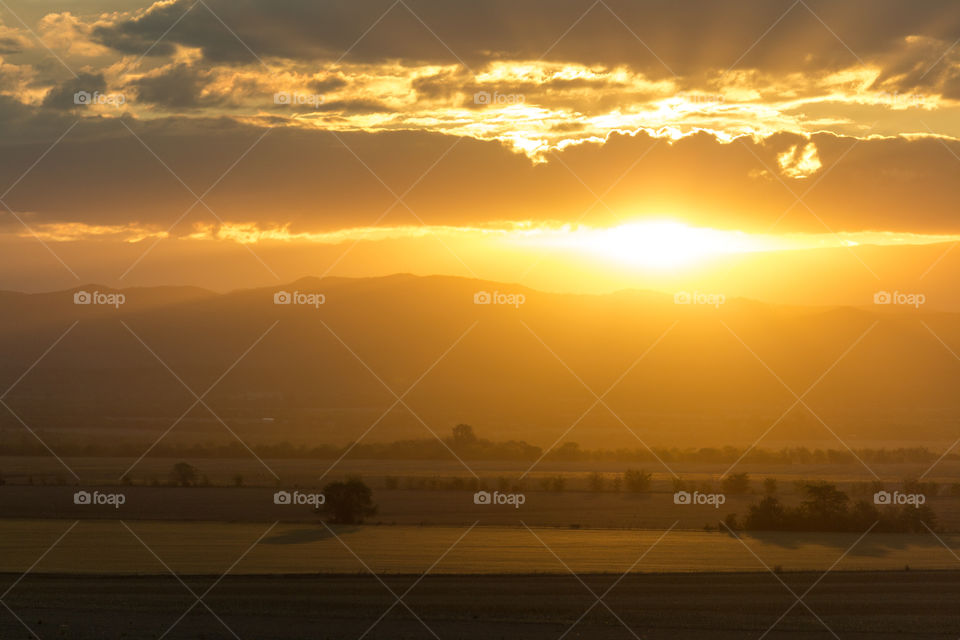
column 655, row 244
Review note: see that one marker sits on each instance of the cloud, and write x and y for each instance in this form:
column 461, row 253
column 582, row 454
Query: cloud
column 179, row 86
column 71, row 35
column 13, row 40
column 312, row 181
column 62, row 96
column 799, row 161
column 555, row 75
column 658, row 39
column 704, row 121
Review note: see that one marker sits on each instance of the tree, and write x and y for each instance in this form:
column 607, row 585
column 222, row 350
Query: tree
column 914, row 519
column 348, row 502
column 863, row 515
column 463, row 436
column 554, row 483
column 825, row 506
column 568, row 451
column 731, row 522
column 769, row 515
column 184, row 474
column 826, row 509
column 637, row 481
column 597, row 481
column 770, row 486
column 736, row 483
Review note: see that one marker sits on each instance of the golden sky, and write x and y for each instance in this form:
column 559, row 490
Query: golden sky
column 568, row 145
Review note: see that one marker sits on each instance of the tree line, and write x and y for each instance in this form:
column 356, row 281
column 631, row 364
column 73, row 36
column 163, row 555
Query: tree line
column 465, row 442
column 826, row 508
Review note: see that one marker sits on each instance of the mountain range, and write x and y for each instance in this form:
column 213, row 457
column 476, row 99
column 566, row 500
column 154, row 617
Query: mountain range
column 514, row 362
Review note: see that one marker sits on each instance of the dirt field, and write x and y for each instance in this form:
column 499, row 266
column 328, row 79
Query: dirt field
column 854, row 606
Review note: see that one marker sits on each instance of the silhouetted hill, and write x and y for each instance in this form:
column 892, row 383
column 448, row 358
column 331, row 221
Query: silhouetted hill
column 319, row 374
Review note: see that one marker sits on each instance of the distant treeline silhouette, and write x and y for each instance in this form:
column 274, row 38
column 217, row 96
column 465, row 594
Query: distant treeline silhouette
column 467, row 445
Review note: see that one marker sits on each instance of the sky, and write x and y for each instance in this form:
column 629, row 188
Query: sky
column 757, row 147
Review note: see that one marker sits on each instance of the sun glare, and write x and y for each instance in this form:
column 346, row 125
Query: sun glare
column 655, row 244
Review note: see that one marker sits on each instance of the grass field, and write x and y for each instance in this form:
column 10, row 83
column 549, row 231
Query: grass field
column 109, row 547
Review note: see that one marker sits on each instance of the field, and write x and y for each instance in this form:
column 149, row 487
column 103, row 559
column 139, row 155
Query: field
column 852, row 606
column 274, row 571
column 121, row 547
